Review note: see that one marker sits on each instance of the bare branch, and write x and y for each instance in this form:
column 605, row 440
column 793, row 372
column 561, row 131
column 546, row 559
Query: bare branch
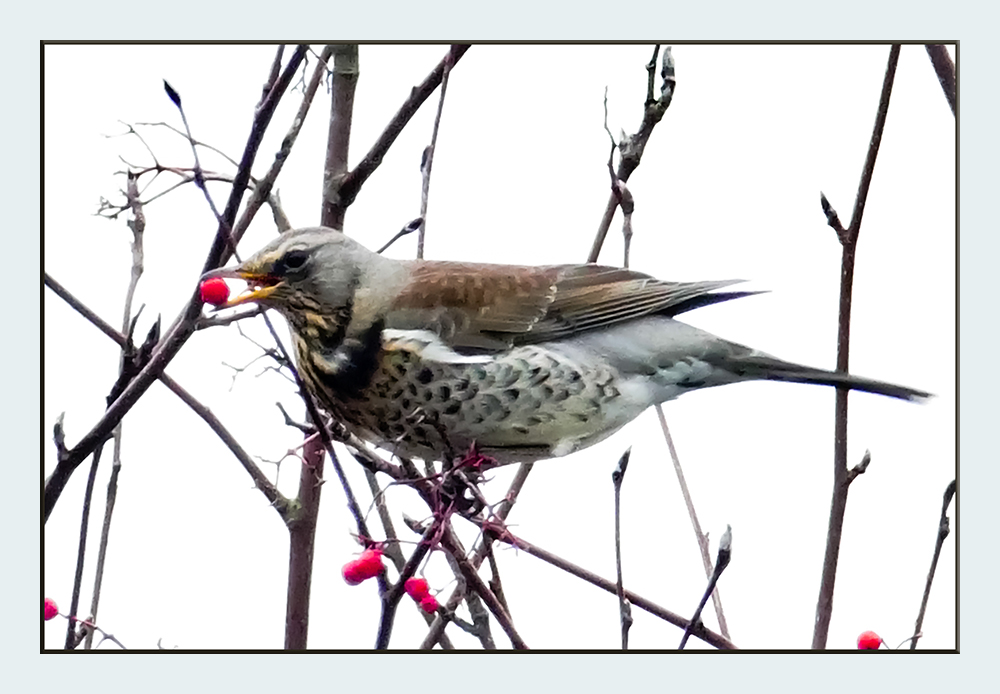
column 848, row 239
column 700, row 536
column 632, row 147
column 624, row 611
column 945, row 69
column 351, row 184
column 427, row 161
column 944, row 528
column 721, row 562
column 183, row 326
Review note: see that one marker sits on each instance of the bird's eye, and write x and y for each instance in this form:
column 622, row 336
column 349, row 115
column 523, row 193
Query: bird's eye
column 292, row 261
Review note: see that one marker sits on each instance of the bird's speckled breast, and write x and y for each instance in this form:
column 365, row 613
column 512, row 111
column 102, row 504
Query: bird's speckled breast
column 531, row 402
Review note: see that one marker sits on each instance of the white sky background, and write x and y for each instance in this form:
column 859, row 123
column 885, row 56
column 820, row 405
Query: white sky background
column 729, row 187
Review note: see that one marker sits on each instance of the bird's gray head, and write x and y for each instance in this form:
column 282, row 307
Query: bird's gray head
column 303, row 272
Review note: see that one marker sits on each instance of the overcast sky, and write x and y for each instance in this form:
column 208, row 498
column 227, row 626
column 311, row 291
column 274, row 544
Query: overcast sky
column 728, row 188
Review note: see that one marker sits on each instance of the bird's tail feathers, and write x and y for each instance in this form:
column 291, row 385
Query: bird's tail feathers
column 772, row 369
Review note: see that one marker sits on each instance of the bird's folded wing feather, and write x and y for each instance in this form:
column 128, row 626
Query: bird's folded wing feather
column 493, row 307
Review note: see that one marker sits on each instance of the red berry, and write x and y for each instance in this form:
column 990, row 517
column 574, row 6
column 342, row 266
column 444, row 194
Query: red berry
column 353, row 574
column 429, row 604
column 214, row 291
column 416, row 588
column 366, row 566
column 49, row 609
column 371, row 560
column 869, row 641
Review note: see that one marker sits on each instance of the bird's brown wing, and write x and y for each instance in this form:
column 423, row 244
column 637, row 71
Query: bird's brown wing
column 491, row 307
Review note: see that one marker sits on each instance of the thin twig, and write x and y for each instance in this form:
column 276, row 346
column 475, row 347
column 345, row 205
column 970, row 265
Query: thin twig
column 81, row 550
column 624, row 611
column 848, row 238
column 944, row 528
column 410, row 227
column 279, row 501
column 721, row 562
column 427, row 161
column 390, row 599
column 632, row 147
column 706, row 635
column 448, row 541
column 138, row 226
column 700, row 536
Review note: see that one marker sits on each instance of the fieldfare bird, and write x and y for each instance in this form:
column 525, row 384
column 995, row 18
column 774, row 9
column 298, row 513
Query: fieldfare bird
column 427, row 358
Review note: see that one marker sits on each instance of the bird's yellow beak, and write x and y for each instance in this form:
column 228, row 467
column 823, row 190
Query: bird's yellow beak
column 259, row 285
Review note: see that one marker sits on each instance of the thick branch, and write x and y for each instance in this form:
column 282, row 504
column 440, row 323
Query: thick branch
column 351, row 184
column 945, row 69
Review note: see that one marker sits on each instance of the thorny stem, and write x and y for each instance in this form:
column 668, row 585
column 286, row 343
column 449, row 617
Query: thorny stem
column 480, row 552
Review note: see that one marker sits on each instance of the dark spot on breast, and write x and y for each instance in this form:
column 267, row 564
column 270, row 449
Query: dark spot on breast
column 581, row 417
column 453, row 408
column 511, row 394
column 444, row 392
column 538, row 376
column 425, row 376
column 428, row 396
column 412, row 388
column 523, row 431
column 406, row 403
column 468, row 394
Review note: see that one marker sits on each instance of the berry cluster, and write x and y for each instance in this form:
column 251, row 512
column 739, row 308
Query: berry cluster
column 418, row 589
column 368, row 565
